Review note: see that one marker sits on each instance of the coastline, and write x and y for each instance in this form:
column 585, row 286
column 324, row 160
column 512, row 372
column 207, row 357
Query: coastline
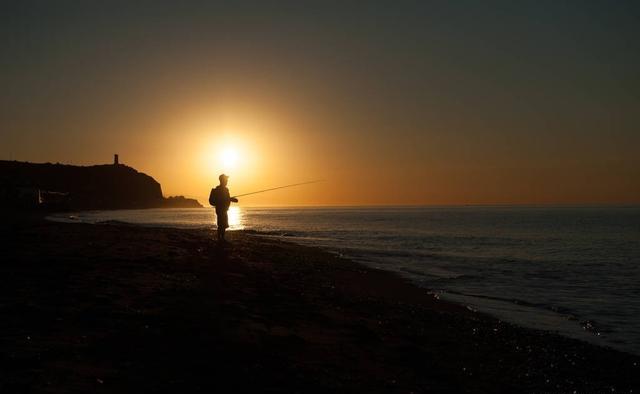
column 116, row 308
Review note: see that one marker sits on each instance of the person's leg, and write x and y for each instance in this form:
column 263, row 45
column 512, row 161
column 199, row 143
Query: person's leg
column 220, row 225
column 224, row 224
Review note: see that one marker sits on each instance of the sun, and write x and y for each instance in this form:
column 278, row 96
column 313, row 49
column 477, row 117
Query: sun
column 225, row 155
column 228, row 158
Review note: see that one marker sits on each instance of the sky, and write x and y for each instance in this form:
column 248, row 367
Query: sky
column 390, row 103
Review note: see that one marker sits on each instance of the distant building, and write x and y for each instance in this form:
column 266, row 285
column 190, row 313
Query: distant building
column 115, row 160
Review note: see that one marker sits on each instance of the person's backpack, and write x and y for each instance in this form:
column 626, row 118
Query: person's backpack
column 213, row 197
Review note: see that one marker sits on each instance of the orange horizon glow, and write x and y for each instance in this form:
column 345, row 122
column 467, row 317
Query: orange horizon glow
column 188, row 156
column 260, row 150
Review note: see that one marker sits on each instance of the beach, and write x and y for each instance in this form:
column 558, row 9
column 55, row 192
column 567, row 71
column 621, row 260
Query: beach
column 123, row 308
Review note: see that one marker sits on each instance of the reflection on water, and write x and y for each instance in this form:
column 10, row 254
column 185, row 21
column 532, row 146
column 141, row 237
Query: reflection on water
column 236, row 218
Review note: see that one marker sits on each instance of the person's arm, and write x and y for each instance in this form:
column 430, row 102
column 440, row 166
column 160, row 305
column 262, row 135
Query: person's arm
column 232, row 199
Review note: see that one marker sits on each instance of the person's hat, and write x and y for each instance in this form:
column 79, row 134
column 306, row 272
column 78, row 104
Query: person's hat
column 223, row 176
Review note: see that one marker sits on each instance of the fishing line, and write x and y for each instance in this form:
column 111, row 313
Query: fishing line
column 279, row 187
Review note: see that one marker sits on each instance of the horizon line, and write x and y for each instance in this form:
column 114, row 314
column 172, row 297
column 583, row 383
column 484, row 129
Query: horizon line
column 490, row 205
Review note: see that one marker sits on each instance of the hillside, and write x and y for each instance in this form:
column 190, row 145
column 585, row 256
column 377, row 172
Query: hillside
column 60, row 186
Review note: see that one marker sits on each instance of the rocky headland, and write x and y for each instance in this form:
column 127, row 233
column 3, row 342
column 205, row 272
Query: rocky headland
column 57, row 186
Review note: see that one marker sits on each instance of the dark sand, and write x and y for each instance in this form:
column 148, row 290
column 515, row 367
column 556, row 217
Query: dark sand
column 109, row 308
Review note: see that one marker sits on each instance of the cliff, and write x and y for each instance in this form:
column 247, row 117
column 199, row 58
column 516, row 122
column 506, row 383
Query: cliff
column 112, row 186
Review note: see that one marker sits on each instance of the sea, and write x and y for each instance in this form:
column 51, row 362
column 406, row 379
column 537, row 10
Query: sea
column 570, row 270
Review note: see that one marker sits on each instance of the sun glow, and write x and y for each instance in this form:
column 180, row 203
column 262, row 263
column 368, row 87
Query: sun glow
column 228, row 158
column 233, row 155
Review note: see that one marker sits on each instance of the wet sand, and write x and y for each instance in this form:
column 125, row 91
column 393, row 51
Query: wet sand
column 115, row 308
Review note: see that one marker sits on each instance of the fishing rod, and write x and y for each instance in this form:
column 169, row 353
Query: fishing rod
column 279, row 187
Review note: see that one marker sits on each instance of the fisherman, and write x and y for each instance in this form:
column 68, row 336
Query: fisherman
column 221, row 199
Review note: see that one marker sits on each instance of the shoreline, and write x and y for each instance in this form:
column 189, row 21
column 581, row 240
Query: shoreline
column 534, row 317
column 129, row 308
column 568, row 330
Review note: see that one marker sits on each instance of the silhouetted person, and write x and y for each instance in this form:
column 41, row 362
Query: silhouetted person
column 221, row 199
